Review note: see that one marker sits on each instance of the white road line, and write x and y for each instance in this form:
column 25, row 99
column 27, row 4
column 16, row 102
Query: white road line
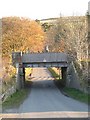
column 64, row 114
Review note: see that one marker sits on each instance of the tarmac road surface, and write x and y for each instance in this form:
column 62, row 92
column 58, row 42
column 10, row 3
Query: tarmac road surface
column 46, row 97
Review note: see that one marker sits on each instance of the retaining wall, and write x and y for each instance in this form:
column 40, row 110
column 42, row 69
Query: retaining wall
column 9, row 92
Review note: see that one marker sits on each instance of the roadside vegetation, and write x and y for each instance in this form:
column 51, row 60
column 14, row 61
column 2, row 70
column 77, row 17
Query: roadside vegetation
column 70, row 92
column 53, row 73
column 28, row 71
column 17, row 98
column 77, row 94
column 8, row 83
column 18, row 34
column 67, row 34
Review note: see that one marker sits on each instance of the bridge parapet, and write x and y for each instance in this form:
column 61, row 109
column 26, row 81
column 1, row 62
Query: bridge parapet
column 44, row 57
column 40, row 59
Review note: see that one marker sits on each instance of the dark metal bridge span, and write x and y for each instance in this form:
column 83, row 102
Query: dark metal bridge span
column 44, row 60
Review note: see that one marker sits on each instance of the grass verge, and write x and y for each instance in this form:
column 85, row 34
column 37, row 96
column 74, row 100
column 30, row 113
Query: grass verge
column 58, row 81
column 71, row 92
column 53, row 73
column 77, row 94
column 18, row 97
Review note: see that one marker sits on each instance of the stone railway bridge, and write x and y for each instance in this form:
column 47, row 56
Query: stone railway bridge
column 24, row 60
column 21, row 60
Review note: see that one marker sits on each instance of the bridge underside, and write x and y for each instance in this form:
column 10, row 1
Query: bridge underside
column 20, row 77
column 50, row 64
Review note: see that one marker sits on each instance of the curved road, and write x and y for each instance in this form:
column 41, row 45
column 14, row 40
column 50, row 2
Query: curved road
column 46, row 97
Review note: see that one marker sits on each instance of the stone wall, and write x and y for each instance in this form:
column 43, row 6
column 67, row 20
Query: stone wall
column 75, row 77
column 72, row 77
column 9, row 92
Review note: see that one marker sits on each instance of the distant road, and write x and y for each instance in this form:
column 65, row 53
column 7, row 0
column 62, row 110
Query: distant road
column 46, row 97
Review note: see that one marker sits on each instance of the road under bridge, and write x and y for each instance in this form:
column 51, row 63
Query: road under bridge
column 24, row 60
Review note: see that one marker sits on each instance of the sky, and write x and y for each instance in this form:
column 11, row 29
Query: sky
column 42, row 9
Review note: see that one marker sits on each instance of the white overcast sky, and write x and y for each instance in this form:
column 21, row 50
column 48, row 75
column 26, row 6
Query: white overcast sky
column 41, row 9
